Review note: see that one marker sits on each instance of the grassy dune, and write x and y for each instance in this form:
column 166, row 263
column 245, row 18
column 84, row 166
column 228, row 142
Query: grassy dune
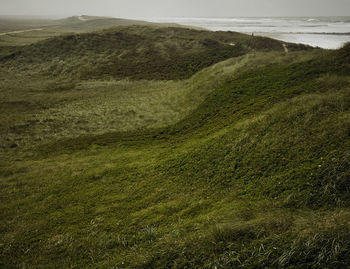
column 21, row 31
column 244, row 164
column 137, row 52
column 16, row 31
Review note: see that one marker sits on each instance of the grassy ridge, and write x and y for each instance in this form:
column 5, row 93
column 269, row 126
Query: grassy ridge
column 138, row 52
column 255, row 174
column 18, row 31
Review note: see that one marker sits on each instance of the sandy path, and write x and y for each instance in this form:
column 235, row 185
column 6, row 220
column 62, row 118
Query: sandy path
column 21, row 31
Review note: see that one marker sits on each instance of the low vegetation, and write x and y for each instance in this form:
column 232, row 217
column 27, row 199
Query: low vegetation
column 20, row 31
column 242, row 162
column 136, row 52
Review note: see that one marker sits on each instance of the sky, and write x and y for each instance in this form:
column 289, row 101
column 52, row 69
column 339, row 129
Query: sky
column 175, row 8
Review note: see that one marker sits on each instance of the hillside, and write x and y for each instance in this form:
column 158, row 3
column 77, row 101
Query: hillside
column 242, row 162
column 19, row 31
column 138, row 52
column 72, row 84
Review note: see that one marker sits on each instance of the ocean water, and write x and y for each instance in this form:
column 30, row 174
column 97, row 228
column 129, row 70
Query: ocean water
column 324, row 32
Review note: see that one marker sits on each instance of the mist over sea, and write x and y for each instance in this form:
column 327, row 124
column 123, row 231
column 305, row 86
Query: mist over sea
column 324, row 32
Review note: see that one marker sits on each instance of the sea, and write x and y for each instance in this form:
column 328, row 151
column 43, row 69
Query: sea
column 323, row 32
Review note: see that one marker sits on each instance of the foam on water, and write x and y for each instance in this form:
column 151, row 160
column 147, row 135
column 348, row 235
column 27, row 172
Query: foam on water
column 325, row 32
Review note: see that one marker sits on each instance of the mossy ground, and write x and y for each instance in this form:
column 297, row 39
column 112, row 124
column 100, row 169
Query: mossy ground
column 246, row 166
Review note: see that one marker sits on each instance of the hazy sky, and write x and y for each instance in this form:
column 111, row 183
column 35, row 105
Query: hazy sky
column 180, row 8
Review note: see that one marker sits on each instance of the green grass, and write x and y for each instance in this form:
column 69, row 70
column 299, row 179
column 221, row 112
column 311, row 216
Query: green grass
column 245, row 164
column 46, row 109
column 136, row 52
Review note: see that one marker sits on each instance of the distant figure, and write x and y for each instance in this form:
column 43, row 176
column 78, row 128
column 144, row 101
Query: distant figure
column 285, row 48
column 252, row 34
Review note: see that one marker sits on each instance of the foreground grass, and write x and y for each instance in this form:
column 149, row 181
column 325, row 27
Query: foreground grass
column 148, row 204
column 253, row 171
